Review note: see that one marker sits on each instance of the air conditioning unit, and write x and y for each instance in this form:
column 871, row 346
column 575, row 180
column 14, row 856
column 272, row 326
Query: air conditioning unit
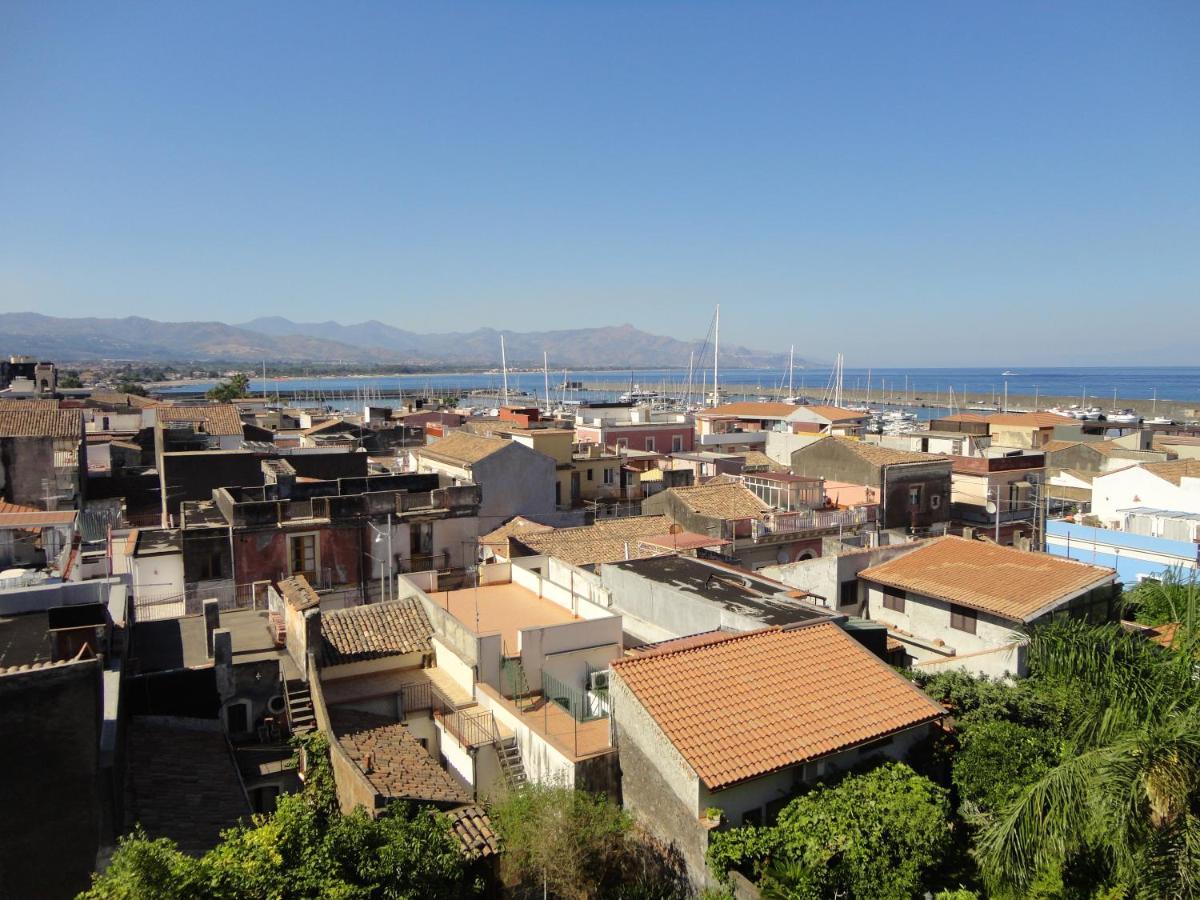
column 598, row 681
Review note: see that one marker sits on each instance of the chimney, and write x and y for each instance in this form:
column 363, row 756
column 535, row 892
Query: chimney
column 212, row 621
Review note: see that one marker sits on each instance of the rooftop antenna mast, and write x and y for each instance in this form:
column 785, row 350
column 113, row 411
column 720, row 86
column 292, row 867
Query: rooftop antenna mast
column 791, row 370
column 546, row 378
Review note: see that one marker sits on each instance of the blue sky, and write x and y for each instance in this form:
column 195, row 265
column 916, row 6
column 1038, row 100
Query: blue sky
column 912, row 184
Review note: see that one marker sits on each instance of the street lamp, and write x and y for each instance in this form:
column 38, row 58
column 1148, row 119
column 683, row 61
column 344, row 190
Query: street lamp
column 391, row 574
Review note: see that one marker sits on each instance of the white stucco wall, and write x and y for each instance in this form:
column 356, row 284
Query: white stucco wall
column 1134, row 487
column 928, row 619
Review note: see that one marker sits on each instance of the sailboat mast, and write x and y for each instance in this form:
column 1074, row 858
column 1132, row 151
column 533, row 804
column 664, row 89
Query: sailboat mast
column 691, row 360
column 716, row 353
column 791, row 369
column 546, row 378
column 504, row 369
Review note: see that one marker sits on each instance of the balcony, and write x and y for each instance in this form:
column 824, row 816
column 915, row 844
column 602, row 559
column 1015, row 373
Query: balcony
column 784, row 525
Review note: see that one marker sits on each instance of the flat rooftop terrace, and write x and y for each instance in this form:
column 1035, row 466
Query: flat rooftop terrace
column 180, row 643
column 505, row 608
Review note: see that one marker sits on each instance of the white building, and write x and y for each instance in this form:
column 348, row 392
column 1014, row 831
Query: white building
column 1173, row 485
column 962, row 604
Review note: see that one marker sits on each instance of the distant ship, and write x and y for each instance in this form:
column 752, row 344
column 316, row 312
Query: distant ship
column 1006, row 372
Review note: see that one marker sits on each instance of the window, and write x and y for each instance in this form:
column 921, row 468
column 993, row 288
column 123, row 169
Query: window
column 962, row 619
column 589, row 474
column 302, row 555
column 676, row 443
column 622, row 444
column 914, row 495
column 893, row 599
column 848, row 593
column 609, row 476
column 753, row 817
column 649, row 445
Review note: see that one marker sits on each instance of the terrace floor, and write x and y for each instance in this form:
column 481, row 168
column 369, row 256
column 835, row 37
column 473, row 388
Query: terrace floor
column 575, row 740
column 506, row 608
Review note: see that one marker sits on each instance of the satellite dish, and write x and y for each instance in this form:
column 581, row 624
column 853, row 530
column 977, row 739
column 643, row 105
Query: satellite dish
column 991, row 507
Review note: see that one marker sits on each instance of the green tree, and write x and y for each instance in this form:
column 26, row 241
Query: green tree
column 1172, row 597
column 305, row 849
column 577, row 845
column 1122, row 806
column 131, row 387
column 235, row 388
column 997, row 757
column 70, row 380
column 878, row 834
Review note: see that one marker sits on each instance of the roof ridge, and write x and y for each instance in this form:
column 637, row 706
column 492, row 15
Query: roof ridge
column 737, row 636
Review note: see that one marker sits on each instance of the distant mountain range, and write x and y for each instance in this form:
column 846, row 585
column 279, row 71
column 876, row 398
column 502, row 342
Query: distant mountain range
column 277, row 339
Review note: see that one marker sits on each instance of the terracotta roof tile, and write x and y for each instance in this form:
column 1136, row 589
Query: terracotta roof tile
column 52, row 423
column 513, row 527
column 1031, row 419
column 181, row 782
column 118, row 398
column 374, row 631
column 1057, row 446
column 721, row 500
column 768, row 700
column 882, row 456
column 604, row 542
column 299, row 593
column 32, row 403
column 836, row 413
column 474, row 831
column 1010, row 583
column 750, row 410
column 217, row 419
column 463, row 448
column 1174, row 470
column 395, row 763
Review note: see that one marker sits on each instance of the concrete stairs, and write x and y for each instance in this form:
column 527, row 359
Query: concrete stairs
column 301, row 718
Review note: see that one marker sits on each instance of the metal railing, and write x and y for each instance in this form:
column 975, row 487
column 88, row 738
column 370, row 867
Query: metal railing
column 472, row 729
column 584, row 705
column 817, row 520
column 416, row 697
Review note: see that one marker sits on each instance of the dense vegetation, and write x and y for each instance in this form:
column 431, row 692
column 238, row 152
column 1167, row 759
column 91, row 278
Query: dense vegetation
column 572, row 844
column 305, row 849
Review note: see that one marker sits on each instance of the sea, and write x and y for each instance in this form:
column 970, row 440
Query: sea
column 1089, row 386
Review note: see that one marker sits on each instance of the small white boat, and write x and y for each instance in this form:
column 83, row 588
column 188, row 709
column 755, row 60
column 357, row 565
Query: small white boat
column 1158, row 420
column 1006, row 372
column 1122, row 417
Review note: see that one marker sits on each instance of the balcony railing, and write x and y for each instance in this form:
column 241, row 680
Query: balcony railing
column 473, row 729
column 814, row 520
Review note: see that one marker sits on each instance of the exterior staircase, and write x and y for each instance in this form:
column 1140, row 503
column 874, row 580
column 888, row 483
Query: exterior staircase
column 301, row 718
column 510, row 762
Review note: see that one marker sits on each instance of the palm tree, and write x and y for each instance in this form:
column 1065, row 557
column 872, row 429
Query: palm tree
column 1127, row 790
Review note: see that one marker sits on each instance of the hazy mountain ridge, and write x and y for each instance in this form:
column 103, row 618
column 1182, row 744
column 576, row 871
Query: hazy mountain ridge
column 276, row 338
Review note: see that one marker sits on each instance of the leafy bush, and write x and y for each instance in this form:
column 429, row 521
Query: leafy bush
column 874, row 834
column 305, row 849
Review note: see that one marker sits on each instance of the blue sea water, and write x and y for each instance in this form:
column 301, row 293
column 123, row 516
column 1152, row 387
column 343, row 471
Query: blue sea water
column 1093, row 385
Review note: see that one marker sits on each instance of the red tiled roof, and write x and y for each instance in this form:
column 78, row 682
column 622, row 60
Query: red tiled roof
column 51, row 423
column 836, row 413
column 1010, row 583
column 749, row 410
column 217, row 419
column 1031, row 419
column 768, row 700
